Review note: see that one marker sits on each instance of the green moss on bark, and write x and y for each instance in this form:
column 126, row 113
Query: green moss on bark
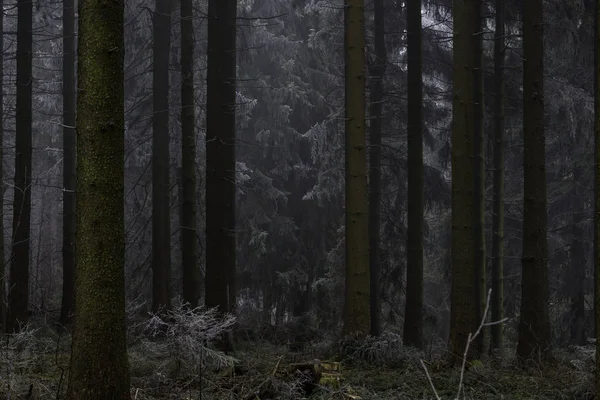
column 99, row 365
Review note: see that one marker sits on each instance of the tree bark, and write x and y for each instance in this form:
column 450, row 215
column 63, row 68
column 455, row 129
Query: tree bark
column 413, row 316
column 464, row 304
column 497, row 306
column 99, row 365
column 189, row 240
column 377, row 72
column 479, row 167
column 161, row 219
column 534, row 326
column 576, row 274
column 69, row 162
column 3, row 298
column 356, row 315
column 19, row 260
column 597, row 191
column 220, row 158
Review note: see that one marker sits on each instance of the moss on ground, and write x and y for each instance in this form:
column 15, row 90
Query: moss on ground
column 265, row 371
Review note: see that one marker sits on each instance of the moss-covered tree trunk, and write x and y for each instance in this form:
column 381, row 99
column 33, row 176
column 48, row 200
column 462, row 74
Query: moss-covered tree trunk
column 357, row 310
column 413, row 318
column 534, row 326
column 19, row 259
column 2, row 269
column 597, row 191
column 479, row 223
column 377, row 71
column 161, row 218
column 99, row 365
column 497, row 306
column 189, row 219
column 220, row 157
column 464, row 303
column 69, row 170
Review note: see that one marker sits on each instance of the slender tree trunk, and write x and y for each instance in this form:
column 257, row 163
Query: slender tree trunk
column 69, row 162
column 534, row 327
column 413, row 316
column 99, row 366
column 576, row 274
column 464, row 303
column 377, row 71
column 357, row 319
column 220, row 157
column 19, row 260
column 597, row 192
column 498, row 218
column 189, row 241
column 3, row 299
column 479, row 223
column 161, row 219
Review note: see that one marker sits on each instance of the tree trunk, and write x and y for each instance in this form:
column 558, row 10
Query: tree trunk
column 479, row 167
column 464, row 304
column 189, row 240
column 576, row 274
column 597, row 191
column 357, row 319
column 69, row 163
column 498, row 217
column 534, row 327
column 2, row 265
column 19, row 260
column 377, row 72
column 413, row 316
column 161, row 220
column 99, row 366
column 220, row 157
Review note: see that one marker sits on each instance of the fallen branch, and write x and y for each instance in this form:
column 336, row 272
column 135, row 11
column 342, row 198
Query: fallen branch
column 254, row 393
column 471, row 338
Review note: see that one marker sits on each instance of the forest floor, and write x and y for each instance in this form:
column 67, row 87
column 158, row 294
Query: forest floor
column 569, row 377
column 34, row 365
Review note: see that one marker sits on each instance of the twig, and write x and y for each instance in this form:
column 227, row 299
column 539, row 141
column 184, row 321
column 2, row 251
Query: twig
column 470, row 339
column 430, row 381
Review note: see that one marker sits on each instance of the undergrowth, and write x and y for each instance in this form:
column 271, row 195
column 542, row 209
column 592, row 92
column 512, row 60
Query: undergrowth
column 171, row 357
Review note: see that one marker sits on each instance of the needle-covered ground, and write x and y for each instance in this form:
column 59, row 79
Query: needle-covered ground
column 170, row 360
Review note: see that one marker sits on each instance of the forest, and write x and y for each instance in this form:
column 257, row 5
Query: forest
column 299, row 199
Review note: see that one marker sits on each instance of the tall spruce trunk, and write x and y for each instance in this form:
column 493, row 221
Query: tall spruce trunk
column 413, row 316
column 497, row 306
column 534, row 326
column 377, row 71
column 220, row 158
column 3, row 298
column 99, row 366
column 161, row 218
column 189, row 219
column 464, row 304
column 576, row 274
column 479, row 167
column 19, row 260
column 356, row 315
column 597, row 191
column 69, row 162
